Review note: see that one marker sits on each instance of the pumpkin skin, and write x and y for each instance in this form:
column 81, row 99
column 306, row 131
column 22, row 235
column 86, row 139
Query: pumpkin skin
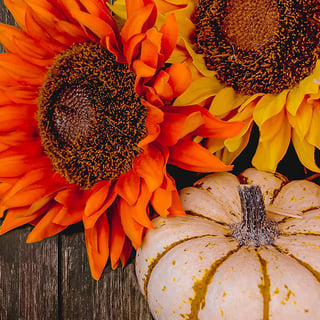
column 190, row 267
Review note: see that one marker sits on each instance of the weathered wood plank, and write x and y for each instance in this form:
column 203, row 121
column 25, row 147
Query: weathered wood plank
column 5, row 16
column 28, row 277
column 115, row 296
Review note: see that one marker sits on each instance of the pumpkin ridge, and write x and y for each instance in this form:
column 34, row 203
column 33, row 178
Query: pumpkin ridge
column 310, row 209
column 200, row 287
column 284, row 234
column 159, row 256
column 199, row 215
column 316, row 274
column 265, row 285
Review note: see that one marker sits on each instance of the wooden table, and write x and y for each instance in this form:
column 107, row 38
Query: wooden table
column 51, row 280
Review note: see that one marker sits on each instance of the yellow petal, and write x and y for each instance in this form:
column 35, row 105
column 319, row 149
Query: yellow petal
column 301, row 121
column 305, row 152
column 198, row 59
column 118, row 8
column 232, row 146
column 227, row 100
column 273, row 143
column 198, row 91
column 268, row 106
column 313, row 136
column 306, row 86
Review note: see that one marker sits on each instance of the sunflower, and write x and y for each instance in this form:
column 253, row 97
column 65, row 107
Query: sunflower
column 87, row 126
column 254, row 61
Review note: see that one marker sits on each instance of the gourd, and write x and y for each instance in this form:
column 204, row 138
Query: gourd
column 247, row 248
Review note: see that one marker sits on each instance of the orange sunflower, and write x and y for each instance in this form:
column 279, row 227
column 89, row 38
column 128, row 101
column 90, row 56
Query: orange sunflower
column 87, row 126
column 254, row 61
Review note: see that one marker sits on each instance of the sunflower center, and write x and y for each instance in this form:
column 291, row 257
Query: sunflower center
column 90, row 118
column 259, row 23
column 260, row 46
column 73, row 114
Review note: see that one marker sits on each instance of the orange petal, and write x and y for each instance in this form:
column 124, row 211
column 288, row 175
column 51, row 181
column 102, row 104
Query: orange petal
column 150, row 48
column 97, row 242
column 93, row 211
column 170, row 36
column 20, row 95
column 99, row 9
column 96, row 25
column 150, row 166
column 142, row 70
column 18, row 42
column 140, row 210
column 117, row 237
column 126, row 252
column 192, row 156
column 18, row 10
column 4, row 188
column 15, row 70
column 180, row 78
column 154, row 117
column 27, row 180
column 98, row 197
column 162, row 86
column 176, row 208
column 28, row 195
column 131, row 47
column 18, row 217
column 18, row 165
column 11, row 115
column 45, row 227
column 42, row 202
column 165, row 200
column 68, row 216
column 132, row 229
column 51, row 23
column 139, row 19
column 175, row 126
column 128, row 186
column 161, row 201
column 212, row 127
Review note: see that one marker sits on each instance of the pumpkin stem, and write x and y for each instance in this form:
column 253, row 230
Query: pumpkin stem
column 255, row 229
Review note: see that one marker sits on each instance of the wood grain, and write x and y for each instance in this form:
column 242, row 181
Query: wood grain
column 28, row 277
column 114, row 296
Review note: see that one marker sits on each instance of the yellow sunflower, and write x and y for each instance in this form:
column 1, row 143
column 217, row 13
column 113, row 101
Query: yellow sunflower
column 254, row 61
column 87, row 126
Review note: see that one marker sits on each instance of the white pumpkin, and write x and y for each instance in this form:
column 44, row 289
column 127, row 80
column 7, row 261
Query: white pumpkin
column 224, row 262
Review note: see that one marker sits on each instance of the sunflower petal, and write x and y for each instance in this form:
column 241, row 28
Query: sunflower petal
column 128, row 186
column 45, row 227
column 131, row 227
column 17, row 217
column 117, row 238
column 104, row 197
column 192, row 156
column 139, row 19
column 126, row 252
column 150, row 165
column 180, row 78
column 273, row 144
column 97, row 242
column 305, row 152
column 169, row 31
